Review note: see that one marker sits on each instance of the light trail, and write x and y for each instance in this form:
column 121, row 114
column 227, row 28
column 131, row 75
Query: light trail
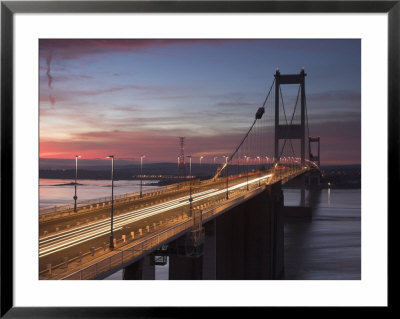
column 66, row 239
column 94, row 224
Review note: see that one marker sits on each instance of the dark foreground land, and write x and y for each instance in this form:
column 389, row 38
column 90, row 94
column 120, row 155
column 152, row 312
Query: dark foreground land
column 345, row 176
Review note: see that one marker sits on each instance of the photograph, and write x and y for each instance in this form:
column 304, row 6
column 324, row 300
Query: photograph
column 199, row 159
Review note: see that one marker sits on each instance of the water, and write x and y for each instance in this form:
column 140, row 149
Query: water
column 60, row 191
column 328, row 246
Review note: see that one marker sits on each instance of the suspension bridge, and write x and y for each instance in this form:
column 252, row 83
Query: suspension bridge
column 226, row 227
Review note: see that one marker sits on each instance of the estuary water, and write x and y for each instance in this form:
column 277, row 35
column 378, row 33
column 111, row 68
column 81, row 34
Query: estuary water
column 329, row 246
column 61, row 191
column 326, row 247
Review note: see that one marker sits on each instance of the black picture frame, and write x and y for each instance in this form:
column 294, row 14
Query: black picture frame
column 9, row 8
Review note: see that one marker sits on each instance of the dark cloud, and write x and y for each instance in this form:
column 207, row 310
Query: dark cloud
column 335, row 95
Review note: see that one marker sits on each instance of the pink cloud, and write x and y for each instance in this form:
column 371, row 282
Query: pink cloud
column 52, row 100
column 124, row 144
column 73, row 48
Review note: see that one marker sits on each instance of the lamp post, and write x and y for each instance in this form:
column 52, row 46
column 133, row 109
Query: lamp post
column 226, row 164
column 190, row 188
column 112, row 202
column 284, row 165
column 215, row 157
column 201, row 157
column 141, row 174
column 247, row 170
column 259, row 171
column 76, row 178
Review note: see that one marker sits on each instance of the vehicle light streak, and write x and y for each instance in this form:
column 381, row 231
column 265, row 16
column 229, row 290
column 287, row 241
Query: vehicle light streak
column 78, row 240
column 106, row 221
column 54, row 243
column 61, row 241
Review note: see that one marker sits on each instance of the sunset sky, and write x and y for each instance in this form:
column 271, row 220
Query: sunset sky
column 133, row 97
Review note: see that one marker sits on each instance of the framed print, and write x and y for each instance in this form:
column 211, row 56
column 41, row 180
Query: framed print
column 244, row 150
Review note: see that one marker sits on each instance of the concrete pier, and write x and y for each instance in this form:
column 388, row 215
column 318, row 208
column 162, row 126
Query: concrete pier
column 185, row 268
column 250, row 238
column 210, row 250
column 143, row 269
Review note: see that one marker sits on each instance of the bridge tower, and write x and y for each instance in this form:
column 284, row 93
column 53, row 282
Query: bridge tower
column 290, row 131
column 314, row 177
column 311, row 156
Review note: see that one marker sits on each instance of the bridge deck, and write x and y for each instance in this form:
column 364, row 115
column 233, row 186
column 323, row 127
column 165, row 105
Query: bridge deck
column 153, row 223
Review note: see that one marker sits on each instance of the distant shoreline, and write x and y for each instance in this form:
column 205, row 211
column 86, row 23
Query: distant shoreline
column 334, row 176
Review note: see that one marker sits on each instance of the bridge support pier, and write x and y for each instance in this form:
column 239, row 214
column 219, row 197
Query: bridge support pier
column 143, row 269
column 314, row 179
column 210, row 250
column 194, row 267
column 185, row 268
column 249, row 239
column 303, row 210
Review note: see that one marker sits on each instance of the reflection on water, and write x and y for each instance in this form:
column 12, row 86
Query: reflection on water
column 329, row 196
column 328, row 246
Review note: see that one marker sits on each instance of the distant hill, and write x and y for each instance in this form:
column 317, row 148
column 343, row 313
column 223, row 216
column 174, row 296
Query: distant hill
column 127, row 172
column 343, row 167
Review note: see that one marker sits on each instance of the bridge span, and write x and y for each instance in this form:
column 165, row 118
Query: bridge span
column 80, row 250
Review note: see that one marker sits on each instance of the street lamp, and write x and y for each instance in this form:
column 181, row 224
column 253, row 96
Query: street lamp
column 226, row 164
column 247, row 170
column 141, row 173
column 76, row 178
column 112, row 201
column 201, row 157
column 190, row 188
column 259, row 170
column 215, row 157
